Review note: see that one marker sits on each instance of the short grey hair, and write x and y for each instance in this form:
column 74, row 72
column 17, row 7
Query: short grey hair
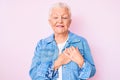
column 61, row 5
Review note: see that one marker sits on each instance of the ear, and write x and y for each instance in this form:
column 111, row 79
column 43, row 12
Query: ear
column 70, row 22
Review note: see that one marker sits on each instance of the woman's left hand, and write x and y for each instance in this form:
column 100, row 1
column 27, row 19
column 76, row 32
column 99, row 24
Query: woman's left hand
column 75, row 55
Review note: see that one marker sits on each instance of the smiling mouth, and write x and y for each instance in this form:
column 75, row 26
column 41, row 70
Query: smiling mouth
column 60, row 26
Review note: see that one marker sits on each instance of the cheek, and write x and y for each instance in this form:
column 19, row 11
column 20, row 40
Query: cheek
column 51, row 22
column 68, row 23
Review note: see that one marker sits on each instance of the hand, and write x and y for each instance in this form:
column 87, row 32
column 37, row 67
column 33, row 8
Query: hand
column 62, row 59
column 75, row 55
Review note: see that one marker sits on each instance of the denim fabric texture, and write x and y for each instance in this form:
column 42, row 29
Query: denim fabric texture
column 46, row 53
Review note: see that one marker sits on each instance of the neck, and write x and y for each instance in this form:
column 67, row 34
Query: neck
column 60, row 38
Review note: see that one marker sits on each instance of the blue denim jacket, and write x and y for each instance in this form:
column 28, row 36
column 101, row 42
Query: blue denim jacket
column 46, row 53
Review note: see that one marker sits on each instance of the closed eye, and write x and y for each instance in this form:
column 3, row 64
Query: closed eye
column 64, row 17
column 55, row 17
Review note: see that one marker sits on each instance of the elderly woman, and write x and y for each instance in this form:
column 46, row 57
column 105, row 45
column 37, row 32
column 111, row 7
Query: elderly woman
column 63, row 55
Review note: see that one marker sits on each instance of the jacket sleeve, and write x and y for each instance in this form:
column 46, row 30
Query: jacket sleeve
column 88, row 69
column 41, row 70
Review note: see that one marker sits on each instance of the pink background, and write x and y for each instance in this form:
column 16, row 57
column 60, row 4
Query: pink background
column 24, row 22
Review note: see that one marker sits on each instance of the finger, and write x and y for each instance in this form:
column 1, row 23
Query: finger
column 70, row 50
column 73, row 48
column 77, row 48
column 67, row 55
column 67, row 51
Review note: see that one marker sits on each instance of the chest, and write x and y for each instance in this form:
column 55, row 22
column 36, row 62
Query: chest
column 50, row 52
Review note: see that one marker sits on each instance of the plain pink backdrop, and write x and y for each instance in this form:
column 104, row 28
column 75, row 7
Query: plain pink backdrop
column 24, row 22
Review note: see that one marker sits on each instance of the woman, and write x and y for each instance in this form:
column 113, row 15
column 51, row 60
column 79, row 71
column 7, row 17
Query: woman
column 63, row 55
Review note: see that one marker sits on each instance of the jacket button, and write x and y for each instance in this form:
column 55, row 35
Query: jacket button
column 64, row 66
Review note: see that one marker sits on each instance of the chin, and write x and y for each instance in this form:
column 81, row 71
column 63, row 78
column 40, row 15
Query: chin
column 61, row 32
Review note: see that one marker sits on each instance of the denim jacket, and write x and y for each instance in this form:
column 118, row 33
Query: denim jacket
column 46, row 53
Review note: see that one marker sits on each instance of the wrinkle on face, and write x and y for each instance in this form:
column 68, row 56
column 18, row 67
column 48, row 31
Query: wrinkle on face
column 60, row 20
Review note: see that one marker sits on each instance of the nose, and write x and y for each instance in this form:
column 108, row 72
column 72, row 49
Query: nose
column 60, row 20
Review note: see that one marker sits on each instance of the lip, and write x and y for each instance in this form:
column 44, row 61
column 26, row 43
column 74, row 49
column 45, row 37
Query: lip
column 61, row 26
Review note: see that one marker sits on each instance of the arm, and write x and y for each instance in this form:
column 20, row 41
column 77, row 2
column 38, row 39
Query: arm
column 83, row 59
column 41, row 70
column 88, row 69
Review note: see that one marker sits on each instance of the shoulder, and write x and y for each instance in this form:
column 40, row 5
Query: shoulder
column 46, row 40
column 76, row 37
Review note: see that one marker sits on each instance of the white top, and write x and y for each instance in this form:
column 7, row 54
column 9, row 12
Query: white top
column 60, row 47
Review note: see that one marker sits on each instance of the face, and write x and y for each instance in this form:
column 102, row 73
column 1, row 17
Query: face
column 60, row 20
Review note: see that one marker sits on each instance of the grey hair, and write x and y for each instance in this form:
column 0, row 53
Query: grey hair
column 61, row 5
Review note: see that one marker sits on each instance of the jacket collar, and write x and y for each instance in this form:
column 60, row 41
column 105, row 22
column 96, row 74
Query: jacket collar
column 71, row 38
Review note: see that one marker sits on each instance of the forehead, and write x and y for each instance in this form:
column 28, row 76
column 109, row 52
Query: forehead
column 59, row 11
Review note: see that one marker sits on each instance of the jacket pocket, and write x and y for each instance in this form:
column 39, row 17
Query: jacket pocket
column 46, row 54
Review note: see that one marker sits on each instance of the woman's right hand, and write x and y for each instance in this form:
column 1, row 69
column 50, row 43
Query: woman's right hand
column 61, row 60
